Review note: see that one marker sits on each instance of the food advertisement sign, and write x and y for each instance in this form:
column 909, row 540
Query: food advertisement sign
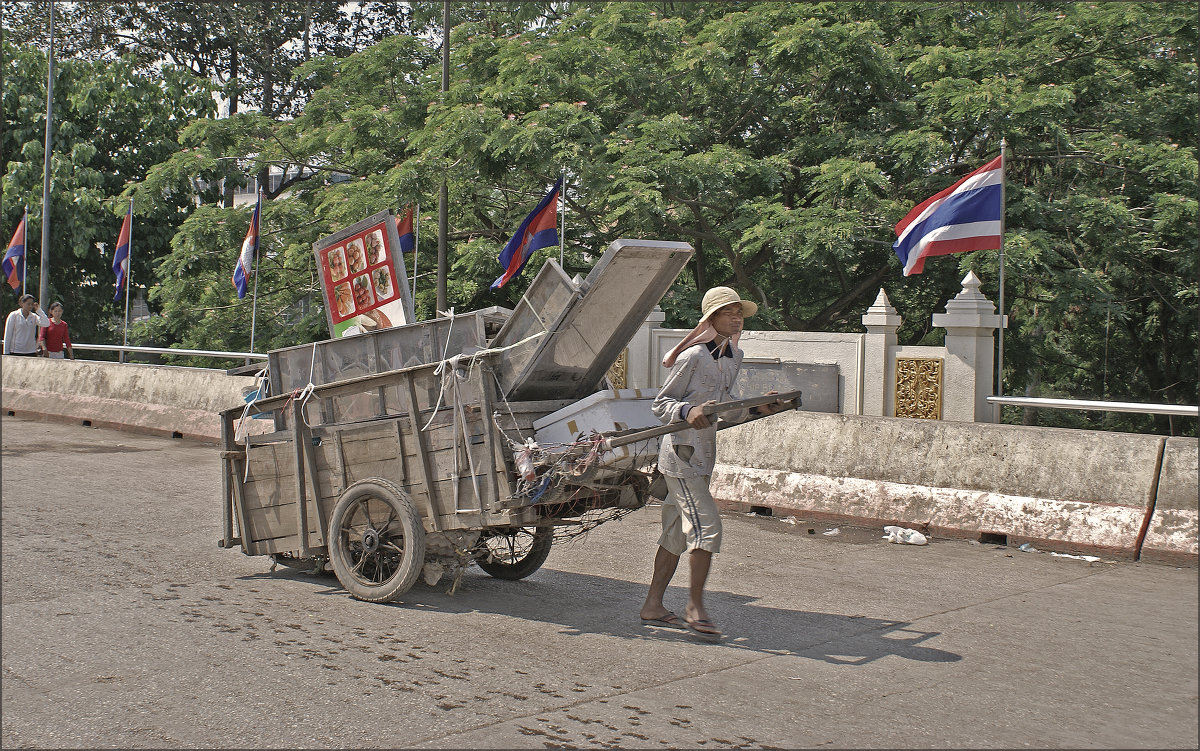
column 364, row 277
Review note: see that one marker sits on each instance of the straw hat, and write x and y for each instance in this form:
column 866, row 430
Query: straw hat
column 718, row 297
column 714, row 299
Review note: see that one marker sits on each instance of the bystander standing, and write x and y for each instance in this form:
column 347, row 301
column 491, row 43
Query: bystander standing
column 54, row 339
column 21, row 328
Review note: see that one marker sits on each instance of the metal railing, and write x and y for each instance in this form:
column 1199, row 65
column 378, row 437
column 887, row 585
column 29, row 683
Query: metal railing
column 1180, row 410
column 122, row 350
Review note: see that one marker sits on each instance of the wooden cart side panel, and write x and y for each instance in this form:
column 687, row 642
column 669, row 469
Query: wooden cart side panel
column 363, row 452
column 281, row 521
column 227, row 498
column 269, row 501
column 378, row 451
column 389, row 449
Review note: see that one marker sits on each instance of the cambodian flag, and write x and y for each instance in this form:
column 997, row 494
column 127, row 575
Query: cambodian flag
column 404, row 228
column 120, row 265
column 241, row 273
column 966, row 216
column 14, row 259
column 539, row 230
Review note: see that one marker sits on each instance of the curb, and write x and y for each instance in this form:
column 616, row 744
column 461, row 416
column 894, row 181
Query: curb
column 1054, row 525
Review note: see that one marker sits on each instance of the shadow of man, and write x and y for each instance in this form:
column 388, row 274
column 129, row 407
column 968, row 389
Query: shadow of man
column 589, row 604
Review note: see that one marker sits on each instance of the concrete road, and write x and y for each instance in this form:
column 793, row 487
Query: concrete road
column 125, row 626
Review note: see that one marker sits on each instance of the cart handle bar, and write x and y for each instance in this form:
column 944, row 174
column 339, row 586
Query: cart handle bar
column 710, row 409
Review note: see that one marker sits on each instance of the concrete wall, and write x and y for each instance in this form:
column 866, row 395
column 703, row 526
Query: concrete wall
column 161, row 399
column 1069, row 490
column 1118, row 494
column 1171, row 534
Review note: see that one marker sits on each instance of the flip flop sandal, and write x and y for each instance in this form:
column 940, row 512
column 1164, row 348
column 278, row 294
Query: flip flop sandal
column 670, row 620
column 704, row 629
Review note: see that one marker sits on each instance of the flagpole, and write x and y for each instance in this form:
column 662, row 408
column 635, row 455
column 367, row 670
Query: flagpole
column 1000, row 356
column 25, row 254
column 562, row 198
column 44, row 281
column 257, row 240
column 416, row 244
column 128, row 273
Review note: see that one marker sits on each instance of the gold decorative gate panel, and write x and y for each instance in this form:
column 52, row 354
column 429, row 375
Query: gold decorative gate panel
column 616, row 374
column 919, row 387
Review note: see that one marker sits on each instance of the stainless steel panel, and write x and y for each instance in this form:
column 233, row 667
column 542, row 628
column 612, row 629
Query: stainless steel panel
column 421, row 343
column 617, row 296
column 818, row 382
column 540, row 310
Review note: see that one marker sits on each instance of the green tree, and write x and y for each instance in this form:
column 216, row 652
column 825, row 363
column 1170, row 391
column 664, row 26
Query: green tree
column 1098, row 104
column 111, row 123
column 784, row 141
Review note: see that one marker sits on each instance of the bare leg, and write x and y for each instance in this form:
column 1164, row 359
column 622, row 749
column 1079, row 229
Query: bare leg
column 664, row 568
column 699, row 562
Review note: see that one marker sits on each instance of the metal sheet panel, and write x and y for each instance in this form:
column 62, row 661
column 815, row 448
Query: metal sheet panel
column 818, row 382
column 331, row 360
column 617, row 296
column 540, row 310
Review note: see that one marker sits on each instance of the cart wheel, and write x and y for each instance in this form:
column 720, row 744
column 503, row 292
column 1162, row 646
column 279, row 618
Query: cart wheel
column 376, row 541
column 515, row 552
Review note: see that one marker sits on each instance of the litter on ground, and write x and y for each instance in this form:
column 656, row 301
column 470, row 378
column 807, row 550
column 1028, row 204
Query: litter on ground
column 903, row 535
column 1088, row 558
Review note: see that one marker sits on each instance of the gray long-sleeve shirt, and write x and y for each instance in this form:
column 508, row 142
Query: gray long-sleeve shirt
column 695, row 378
column 20, row 331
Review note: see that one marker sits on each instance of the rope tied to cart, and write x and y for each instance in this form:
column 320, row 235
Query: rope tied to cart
column 260, row 386
column 454, row 372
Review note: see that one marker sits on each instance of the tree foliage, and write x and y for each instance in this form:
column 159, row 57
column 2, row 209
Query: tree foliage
column 112, row 123
column 783, row 140
column 128, row 78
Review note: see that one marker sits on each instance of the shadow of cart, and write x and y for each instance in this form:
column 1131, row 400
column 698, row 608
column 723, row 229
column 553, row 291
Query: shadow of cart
column 589, row 604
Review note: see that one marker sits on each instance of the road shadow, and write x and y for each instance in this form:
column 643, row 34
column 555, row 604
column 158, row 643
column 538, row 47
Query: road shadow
column 590, row 604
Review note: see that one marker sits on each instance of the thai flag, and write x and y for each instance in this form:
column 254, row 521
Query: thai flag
column 966, row 216
column 539, row 230
column 120, row 265
column 241, row 273
column 14, row 259
column 404, row 228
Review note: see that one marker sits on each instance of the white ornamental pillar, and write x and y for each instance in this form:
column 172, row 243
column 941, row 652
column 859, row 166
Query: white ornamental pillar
column 640, row 364
column 879, row 365
column 970, row 322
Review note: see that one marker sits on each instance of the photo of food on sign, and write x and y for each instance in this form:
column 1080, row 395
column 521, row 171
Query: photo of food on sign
column 363, row 298
column 383, row 283
column 372, row 320
column 355, row 257
column 364, row 286
column 374, row 241
column 337, row 264
column 344, row 298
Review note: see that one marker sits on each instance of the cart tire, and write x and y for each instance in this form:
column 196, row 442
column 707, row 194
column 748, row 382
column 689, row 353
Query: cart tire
column 376, row 541
column 515, row 552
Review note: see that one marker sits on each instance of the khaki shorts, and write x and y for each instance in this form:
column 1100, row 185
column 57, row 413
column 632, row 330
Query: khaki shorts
column 690, row 519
